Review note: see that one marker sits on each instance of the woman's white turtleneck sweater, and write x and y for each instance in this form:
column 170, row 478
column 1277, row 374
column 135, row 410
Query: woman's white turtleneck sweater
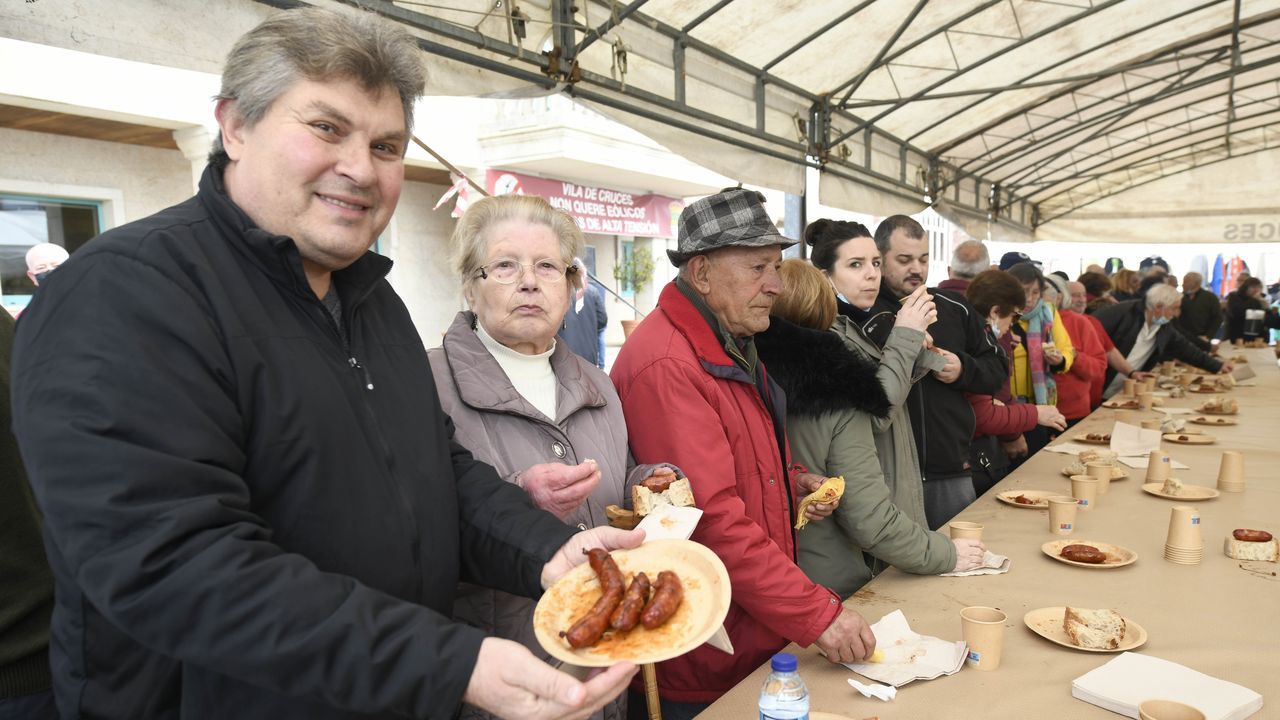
column 531, row 375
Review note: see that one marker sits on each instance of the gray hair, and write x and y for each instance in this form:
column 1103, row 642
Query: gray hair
column 1161, row 294
column 470, row 242
column 1059, row 286
column 970, row 258
column 318, row 45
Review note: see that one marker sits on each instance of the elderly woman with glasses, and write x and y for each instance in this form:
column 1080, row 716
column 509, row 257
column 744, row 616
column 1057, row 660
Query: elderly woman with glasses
column 548, row 420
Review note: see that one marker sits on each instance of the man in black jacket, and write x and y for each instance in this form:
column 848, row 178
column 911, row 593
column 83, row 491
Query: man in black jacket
column 941, row 417
column 1141, row 332
column 254, row 506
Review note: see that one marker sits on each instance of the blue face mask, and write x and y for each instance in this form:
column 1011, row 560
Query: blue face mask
column 1159, row 321
column 840, row 296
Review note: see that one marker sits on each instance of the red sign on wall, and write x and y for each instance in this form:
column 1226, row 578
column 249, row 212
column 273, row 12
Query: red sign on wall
column 597, row 210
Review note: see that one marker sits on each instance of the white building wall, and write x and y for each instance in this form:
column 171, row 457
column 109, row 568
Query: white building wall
column 418, row 242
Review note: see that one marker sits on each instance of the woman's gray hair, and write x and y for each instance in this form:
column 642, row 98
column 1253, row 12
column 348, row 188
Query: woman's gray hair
column 1161, row 294
column 318, row 45
column 1060, row 287
column 470, row 243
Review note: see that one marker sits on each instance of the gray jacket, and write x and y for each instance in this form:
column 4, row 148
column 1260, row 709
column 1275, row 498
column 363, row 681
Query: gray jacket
column 501, row 428
column 900, row 365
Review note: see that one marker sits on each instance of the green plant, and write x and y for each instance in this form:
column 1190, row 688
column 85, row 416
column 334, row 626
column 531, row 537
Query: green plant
column 634, row 270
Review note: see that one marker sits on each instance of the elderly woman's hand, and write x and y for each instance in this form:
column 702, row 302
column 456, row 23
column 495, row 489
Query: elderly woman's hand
column 969, row 554
column 559, row 488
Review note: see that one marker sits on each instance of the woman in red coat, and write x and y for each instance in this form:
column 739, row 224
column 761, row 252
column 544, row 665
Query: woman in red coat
column 1075, row 385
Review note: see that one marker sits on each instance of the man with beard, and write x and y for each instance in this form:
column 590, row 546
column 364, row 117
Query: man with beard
column 941, row 417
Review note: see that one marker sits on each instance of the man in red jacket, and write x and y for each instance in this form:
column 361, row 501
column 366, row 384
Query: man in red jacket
column 694, row 392
column 1075, row 387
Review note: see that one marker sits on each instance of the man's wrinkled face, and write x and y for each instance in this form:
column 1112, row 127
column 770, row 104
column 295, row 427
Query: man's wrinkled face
column 739, row 284
column 1079, row 298
column 906, row 265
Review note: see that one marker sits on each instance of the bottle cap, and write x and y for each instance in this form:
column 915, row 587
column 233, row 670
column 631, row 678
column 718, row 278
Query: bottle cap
column 784, row 662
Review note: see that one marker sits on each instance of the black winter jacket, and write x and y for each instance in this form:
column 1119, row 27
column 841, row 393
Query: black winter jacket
column 1123, row 321
column 239, row 525
column 941, row 418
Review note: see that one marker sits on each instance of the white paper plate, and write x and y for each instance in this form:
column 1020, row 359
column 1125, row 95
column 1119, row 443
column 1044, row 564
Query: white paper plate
column 1047, row 623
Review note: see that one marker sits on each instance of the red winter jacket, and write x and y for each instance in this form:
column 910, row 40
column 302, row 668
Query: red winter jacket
column 1075, row 386
column 1005, row 421
column 1099, row 379
column 687, row 402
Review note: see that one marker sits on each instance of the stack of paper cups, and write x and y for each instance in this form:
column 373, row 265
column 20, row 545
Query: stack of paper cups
column 1231, row 472
column 1185, row 544
column 1158, row 467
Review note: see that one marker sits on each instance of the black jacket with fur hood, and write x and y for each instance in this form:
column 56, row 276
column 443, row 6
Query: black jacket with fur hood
column 819, row 373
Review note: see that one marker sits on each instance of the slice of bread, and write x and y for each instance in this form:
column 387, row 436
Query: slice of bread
column 644, row 500
column 1097, row 629
column 1267, row 551
column 1172, row 486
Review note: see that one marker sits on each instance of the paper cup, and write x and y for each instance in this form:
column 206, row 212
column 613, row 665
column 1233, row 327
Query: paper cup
column 1130, row 388
column 1159, row 467
column 983, row 631
column 1085, row 490
column 1062, row 515
column 1185, row 379
column 1151, row 424
column 1231, row 472
column 1102, row 472
column 1168, row 710
column 1184, row 529
column 1146, row 400
column 1149, row 385
column 961, row 530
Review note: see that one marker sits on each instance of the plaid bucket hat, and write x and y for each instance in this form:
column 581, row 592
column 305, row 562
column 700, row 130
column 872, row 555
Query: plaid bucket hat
column 730, row 218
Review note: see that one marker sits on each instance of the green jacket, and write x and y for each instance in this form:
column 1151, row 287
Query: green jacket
column 835, row 399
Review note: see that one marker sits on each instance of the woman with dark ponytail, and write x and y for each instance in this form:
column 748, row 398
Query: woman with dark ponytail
column 847, row 256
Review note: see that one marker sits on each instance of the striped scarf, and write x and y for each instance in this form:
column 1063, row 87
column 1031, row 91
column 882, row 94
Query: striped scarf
column 1039, row 331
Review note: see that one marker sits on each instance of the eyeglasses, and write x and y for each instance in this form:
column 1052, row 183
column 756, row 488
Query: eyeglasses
column 506, row 271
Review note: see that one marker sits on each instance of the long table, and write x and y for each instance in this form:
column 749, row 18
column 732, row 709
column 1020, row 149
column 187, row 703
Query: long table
column 1214, row 617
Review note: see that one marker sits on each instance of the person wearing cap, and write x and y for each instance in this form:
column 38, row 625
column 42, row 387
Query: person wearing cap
column 941, row 417
column 1201, row 310
column 1013, row 257
column 1141, row 332
column 695, row 394
column 1153, row 263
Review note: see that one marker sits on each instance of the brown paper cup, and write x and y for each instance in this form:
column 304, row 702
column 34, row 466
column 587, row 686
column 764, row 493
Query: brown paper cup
column 1231, row 472
column 1146, row 400
column 1159, row 467
column 1168, row 710
column 983, row 631
column 1184, row 528
column 961, row 530
column 1149, row 385
column 1062, row 515
column 1085, row 490
column 1102, row 472
column 1130, row 388
column 1185, row 379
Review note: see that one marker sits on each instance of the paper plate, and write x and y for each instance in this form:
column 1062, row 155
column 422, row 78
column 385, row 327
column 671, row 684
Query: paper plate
column 1201, row 420
column 1040, row 496
column 1122, row 404
column 700, row 615
column 1206, row 411
column 1189, row 492
column 1191, row 438
column 1117, row 556
column 1117, row 473
column 1205, row 390
column 1085, row 439
column 1047, row 623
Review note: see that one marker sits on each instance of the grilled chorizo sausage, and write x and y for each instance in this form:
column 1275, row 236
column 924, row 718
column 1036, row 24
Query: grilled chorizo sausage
column 588, row 630
column 1244, row 535
column 1084, row 554
column 667, row 594
column 628, row 612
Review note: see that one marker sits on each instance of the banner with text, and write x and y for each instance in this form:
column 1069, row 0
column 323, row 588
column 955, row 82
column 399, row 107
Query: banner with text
column 597, row 210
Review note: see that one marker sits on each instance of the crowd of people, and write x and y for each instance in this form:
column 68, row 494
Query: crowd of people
column 263, row 497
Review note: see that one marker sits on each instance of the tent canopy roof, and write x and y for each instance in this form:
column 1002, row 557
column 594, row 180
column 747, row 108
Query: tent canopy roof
column 1020, row 110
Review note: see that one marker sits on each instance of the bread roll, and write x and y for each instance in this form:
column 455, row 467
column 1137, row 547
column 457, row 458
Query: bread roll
column 1097, row 629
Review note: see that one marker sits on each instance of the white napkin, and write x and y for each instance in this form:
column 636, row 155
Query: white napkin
column 909, row 656
column 1129, row 439
column 1070, row 448
column 992, row 564
column 1140, row 462
column 1126, row 681
column 883, row 692
column 668, row 522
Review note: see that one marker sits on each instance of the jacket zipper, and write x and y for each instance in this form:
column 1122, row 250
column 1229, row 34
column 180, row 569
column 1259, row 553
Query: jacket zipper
column 344, row 345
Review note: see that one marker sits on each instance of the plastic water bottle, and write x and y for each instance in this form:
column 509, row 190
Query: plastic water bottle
column 784, row 696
